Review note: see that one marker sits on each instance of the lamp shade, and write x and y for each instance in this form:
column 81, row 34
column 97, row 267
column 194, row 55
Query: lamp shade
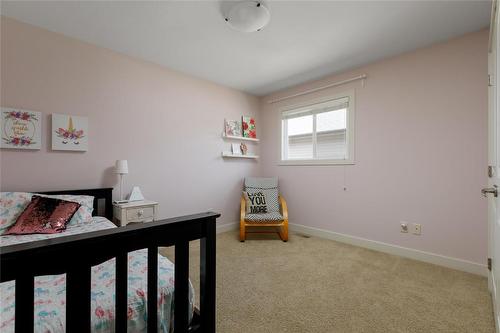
column 121, row 167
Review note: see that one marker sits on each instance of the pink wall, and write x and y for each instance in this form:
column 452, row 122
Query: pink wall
column 166, row 124
column 421, row 134
column 421, row 153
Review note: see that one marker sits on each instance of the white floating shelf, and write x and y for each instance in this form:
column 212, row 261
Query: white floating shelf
column 238, row 138
column 231, row 155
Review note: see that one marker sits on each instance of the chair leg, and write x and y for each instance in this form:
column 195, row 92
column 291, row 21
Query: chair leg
column 284, row 211
column 284, row 232
column 242, row 231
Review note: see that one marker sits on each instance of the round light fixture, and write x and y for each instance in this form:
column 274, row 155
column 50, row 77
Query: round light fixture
column 248, row 16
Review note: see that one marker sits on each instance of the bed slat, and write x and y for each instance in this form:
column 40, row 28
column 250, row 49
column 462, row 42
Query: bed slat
column 78, row 299
column 152, row 289
column 181, row 286
column 24, row 304
column 121, row 292
column 78, row 253
column 207, row 279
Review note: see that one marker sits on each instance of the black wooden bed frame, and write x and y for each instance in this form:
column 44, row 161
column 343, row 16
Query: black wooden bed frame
column 76, row 254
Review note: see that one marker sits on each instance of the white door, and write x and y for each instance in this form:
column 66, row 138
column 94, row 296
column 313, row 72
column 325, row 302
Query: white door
column 494, row 165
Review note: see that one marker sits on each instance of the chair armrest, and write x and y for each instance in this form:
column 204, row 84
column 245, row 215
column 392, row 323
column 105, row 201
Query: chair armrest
column 243, row 209
column 283, row 207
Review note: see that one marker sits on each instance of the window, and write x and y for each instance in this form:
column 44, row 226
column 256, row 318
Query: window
column 320, row 133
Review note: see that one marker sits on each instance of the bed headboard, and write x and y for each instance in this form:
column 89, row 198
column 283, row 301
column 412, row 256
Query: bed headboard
column 103, row 199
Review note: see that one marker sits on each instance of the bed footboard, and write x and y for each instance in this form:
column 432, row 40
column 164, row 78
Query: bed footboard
column 76, row 254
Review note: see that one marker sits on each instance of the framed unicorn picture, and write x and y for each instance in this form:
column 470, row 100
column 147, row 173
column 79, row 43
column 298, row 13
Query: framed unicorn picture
column 69, row 132
column 20, row 129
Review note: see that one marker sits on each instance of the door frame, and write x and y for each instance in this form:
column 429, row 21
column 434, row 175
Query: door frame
column 493, row 112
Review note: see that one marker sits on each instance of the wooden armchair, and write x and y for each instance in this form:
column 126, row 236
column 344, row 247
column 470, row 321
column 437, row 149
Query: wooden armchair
column 281, row 224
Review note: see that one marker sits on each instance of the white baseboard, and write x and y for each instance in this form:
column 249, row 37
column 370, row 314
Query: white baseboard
column 227, row 227
column 436, row 259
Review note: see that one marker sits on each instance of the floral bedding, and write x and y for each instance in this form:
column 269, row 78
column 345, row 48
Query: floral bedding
column 12, row 204
column 50, row 291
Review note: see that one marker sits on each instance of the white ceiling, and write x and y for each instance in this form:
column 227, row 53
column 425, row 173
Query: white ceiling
column 305, row 40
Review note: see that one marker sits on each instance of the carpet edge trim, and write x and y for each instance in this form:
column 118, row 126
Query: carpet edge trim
column 494, row 300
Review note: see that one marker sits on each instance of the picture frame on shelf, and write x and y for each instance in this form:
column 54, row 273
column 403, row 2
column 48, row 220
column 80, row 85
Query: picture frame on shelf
column 232, row 127
column 248, row 127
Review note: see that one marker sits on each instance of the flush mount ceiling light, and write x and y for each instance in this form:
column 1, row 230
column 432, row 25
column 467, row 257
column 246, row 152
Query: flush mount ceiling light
column 247, row 16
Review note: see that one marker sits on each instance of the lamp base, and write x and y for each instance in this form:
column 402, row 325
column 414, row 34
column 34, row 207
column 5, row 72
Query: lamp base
column 121, row 186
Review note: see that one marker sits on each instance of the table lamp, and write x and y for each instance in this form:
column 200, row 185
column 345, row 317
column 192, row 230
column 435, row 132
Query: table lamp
column 121, row 168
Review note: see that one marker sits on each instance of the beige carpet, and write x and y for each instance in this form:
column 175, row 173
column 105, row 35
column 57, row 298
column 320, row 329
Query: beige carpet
column 317, row 285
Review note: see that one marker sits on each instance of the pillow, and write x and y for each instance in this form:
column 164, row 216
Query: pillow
column 256, row 202
column 260, row 201
column 270, row 197
column 12, row 204
column 44, row 216
column 84, row 213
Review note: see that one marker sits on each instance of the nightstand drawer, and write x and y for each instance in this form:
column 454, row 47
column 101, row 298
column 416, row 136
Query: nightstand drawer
column 135, row 212
column 140, row 214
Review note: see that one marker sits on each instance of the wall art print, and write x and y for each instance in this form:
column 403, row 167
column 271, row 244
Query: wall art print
column 248, row 124
column 69, row 132
column 232, row 127
column 20, row 129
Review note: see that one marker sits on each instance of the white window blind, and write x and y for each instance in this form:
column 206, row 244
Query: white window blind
column 317, row 132
column 300, row 136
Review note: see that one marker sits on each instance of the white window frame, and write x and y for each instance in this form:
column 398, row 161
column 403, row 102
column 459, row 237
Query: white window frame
column 350, row 133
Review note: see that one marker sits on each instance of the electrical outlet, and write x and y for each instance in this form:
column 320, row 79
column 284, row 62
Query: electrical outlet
column 417, row 229
column 404, row 227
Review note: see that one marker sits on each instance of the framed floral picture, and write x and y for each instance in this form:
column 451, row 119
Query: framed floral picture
column 232, row 127
column 248, row 124
column 69, row 132
column 20, row 129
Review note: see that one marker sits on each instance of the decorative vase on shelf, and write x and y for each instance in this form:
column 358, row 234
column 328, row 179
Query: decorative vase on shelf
column 243, row 148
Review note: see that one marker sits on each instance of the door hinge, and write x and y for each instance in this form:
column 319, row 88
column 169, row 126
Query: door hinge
column 490, row 171
column 490, row 80
column 489, row 264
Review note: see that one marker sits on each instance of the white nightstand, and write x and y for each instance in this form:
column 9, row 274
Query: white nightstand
column 134, row 212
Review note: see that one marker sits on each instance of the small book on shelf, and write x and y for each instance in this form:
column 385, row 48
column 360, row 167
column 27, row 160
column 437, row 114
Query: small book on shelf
column 235, row 148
